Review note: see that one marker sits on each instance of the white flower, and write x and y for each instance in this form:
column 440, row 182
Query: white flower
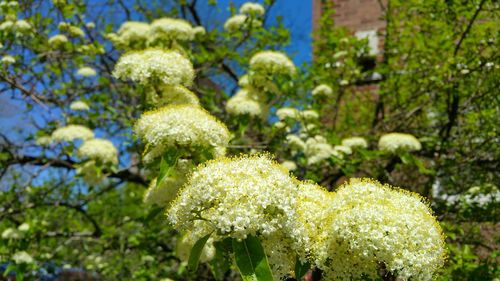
column 90, row 25
column 287, row 112
column 22, row 257
column 251, row 8
column 99, row 149
column 149, row 66
column 344, row 82
column 71, row 133
column 180, row 127
column 245, row 102
column 309, row 115
column 131, row 34
column 236, row 197
column 294, row 142
column 8, row 59
column 23, row 227
column 43, row 140
column 6, row 25
column 374, row 225
column 290, row 165
column 58, row 40
column 199, row 31
column 355, row 142
column 393, row 142
column 243, row 81
column 317, row 150
column 86, row 72
column 171, row 29
column 271, row 62
column 22, row 26
column 76, row 31
column 11, row 233
column 239, row 22
column 322, row 91
column 79, row 106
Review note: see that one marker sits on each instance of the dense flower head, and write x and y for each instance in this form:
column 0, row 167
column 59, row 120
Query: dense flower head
column 166, row 191
column 322, row 90
column 340, row 150
column 355, row 142
column 245, row 102
column 71, row 133
column 131, row 34
column 22, row 257
column 243, row 81
column 79, row 106
column 290, row 165
column 393, row 142
column 317, row 150
column 376, row 225
column 287, row 112
column 251, row 8
column 8, row 59
column 172, row 94
column 58, row 40
column 171, row 29
column 86, row 71
column 239, row 22
column 236, row 197
column 272, row 62
column 199, row 31
column 309, row 115
column 180, row 126
column 149, row 66
column 295, row 142
column 100, row 150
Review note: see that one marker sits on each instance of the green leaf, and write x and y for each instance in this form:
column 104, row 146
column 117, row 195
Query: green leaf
column 221, row 263
column 167, row 163
column 194, row 257
column 251, row 260
column 301, row 268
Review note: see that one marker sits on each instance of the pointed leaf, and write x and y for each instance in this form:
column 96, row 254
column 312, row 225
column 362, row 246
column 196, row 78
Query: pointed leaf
column 301, row 268
column 194, row 257
column 251, row 260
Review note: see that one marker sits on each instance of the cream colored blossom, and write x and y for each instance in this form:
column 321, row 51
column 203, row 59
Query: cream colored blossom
column 11, row 233
column 393, row 142
column 71, row 133
column 322, row 90
column 172, row 94
column 239, row 22
column 346, row 150
column 22, row 257
column 309, row 115
column 43, row 140
column 287, row 112
column 236, row 197
column 76, row 31
column 22, row 26
column 8, row 60
column 317, row 150
column 131, row 34
column 355, row 142
column 86, row 71
column 149, row 66
column 290, row 165
column 24, row 227
column 100, row 150
column 271, row 62
column 295, row 142
column 375, row 224
column 58, row 40
column 199, row 31
column 243, row 81
column 79, row 106
column 251, row 8
column 245, row 102
column 166, row 191
column 180, row 126
column 171, row 29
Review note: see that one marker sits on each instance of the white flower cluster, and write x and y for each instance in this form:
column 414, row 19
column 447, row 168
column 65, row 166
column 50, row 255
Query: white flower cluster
column 58, row 40
column 86, row 71
column 322, row 90
column 99, row 150
column 373, row 225
column 22, row 257
column 246, row 102
column 152, row 65
column 317, row 150
column 287, row 112
column 8, row 60
column 79, row 106
column 240, row 22
column 252, row 9
column 393, row 142
column 171, row 29
column 272, row 62
column 180, row 127
column 131, row 34
column 172, row 94
column 236, row 197
column 354, row 142
column 72, row 132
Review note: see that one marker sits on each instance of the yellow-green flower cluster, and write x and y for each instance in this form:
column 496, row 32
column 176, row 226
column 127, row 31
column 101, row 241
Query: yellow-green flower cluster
column 155, row 65
column 131, row 34
column 180, row 127
column 101, row 150
column 354, row 142
column 72, row 132
column 172, row 94
column 322, row 90
column 393, row 142
column 246, row 102
column 317, row 150
column 252, row 9
column 272, row 62
column 86, row 71
column 375, row 225
column 171, row 29
column 163, row 193
column 58, row 40
column 79, row 106
column 236, row 197
column 240, row 22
